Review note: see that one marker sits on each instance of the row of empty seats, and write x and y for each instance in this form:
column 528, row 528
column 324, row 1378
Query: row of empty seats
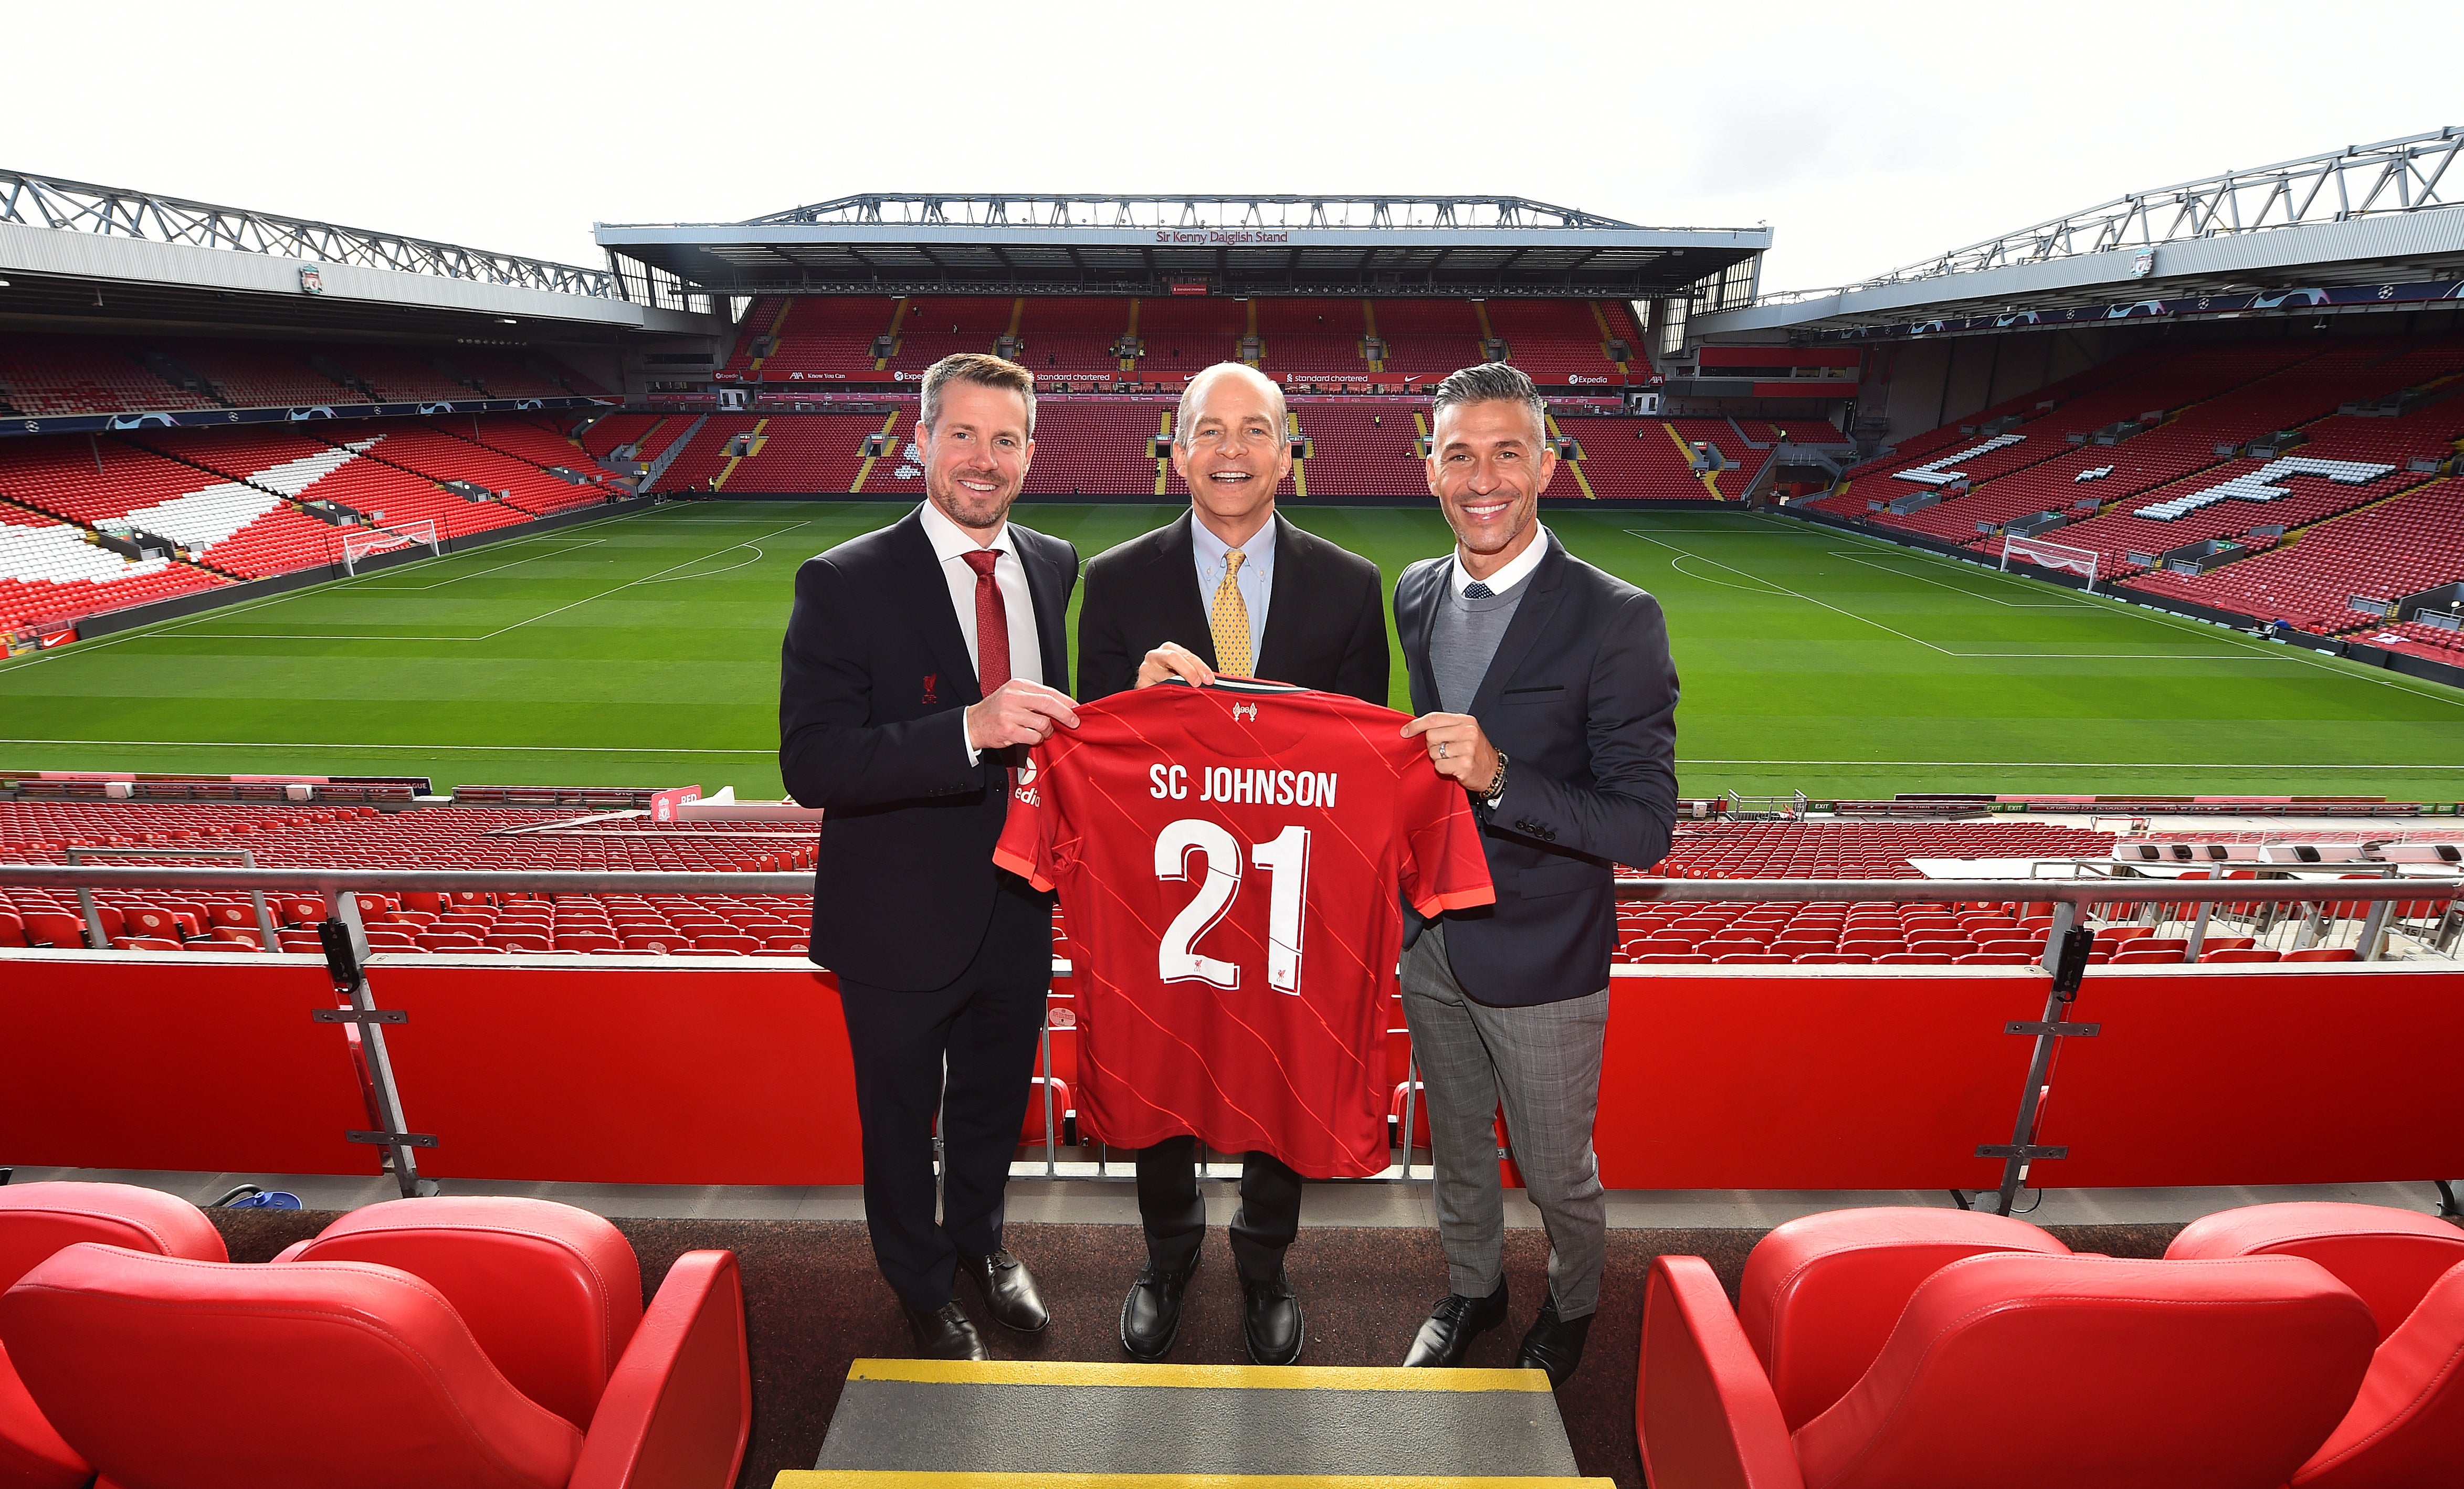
column 835, row 337
column 451, row 1340
column 2308, row 1345
column 60, row 375
column 234, row 502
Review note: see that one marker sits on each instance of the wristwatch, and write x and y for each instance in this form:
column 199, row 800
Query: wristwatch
column 1496, row 784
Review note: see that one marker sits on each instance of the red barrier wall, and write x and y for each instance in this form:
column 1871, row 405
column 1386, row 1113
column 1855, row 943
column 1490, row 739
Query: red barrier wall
column 1757, row 1077
column 2260, row 1076
column 702, row 1071
column 184, row 1061
column 709, row 1071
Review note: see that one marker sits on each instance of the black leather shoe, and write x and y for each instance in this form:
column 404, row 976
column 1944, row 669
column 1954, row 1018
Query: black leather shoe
column 1453, row 1325
column 1009, row 1291
column 1270, row 1321
column 946, row 1334
column 1151, row 1314
column 1554, row 1344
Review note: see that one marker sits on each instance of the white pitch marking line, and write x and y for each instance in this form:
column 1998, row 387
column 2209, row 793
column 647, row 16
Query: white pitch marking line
column 246, row 606
column 411, row 589
column 2014, row 605
column 1964, row 656
column 2301, row 656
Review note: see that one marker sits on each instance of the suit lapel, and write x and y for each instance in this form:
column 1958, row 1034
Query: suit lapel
column 1286, row 595
column 1532, row 616
column 1180, row 580
column 1045, row 585
column 1416, row 620
column 927, row 596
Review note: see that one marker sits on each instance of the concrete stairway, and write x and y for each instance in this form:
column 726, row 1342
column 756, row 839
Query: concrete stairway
column 904, row 1424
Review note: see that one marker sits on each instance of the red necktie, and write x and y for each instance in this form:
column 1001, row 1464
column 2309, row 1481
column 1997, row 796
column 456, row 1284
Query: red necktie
column 992, row 624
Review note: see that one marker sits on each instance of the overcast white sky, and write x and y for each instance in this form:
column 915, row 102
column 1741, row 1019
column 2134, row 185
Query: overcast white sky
column 1866, row 135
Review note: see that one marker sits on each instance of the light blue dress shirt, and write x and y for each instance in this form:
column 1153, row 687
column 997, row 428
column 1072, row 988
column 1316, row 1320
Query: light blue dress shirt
column 1257, row 578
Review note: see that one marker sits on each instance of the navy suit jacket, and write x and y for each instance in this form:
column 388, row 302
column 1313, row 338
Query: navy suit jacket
column 1582, row 698
column 1325, row 615
column 872, row 681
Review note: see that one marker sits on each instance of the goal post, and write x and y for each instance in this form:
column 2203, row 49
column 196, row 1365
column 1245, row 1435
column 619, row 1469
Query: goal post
column 2046, row 554
column 360, row 543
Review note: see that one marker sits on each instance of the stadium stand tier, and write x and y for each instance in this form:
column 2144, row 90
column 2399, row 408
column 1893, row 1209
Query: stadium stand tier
column 2180, row 444
column 65, row 374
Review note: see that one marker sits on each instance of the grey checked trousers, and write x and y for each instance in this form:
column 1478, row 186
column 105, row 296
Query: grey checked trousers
column 1544, row 1063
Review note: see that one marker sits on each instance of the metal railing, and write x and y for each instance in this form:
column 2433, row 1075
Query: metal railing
column 343, row 938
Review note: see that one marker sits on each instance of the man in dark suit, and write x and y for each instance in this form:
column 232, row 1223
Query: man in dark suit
column 1544, row 686
column 916, row 658
column 1229, row 586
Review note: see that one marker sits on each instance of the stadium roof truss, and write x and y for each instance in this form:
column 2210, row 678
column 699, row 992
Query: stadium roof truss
column 108, row 211
column 73, row 253
column 1035, row 244
column 2362, row 215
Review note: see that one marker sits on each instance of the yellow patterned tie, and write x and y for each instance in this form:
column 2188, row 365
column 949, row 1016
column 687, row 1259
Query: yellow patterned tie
column 1231, row 621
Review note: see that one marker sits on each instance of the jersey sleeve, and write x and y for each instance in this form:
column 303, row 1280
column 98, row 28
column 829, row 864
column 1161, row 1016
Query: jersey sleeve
column 1027, row 834
column 1445, row 866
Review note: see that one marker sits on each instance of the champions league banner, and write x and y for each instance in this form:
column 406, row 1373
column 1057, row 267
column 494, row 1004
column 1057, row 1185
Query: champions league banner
column 2275, row 302
column 214, row 418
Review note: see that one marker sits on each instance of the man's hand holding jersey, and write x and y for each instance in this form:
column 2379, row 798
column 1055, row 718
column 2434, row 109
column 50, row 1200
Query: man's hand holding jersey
column 1172, row 659
column 1458, row 749
column 1019, row 712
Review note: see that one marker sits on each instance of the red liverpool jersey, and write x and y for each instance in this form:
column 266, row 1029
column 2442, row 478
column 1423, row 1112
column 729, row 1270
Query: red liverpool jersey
column 1228, row 859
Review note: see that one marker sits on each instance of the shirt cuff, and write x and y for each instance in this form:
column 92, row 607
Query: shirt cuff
column 975, row 756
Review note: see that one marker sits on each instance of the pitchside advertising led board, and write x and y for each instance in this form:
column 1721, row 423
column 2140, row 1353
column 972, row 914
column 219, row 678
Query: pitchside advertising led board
column 2270, row 301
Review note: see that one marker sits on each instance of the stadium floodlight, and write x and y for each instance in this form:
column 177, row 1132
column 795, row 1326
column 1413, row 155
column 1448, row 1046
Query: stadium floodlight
column 360, row 543
column 2045, row 553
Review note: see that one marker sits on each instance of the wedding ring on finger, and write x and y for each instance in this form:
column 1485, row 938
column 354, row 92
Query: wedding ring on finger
column 1441, row 748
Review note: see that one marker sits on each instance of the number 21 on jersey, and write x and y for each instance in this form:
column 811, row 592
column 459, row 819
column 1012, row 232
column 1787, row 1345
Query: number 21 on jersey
column 1286, row 857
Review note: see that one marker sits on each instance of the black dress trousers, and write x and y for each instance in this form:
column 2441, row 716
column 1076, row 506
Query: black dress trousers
column 1175, row 1213
column 985, row 1025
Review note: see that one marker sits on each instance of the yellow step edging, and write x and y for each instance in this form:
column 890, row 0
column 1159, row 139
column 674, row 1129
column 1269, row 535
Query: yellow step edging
column 1237, row 1377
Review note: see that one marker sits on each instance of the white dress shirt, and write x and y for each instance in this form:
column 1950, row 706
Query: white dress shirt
column 951, row 544
column 1515, row 572
column 1256, row 580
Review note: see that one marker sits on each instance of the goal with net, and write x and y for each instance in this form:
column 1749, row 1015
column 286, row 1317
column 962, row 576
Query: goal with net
column 360, row 543
column 2048, row 555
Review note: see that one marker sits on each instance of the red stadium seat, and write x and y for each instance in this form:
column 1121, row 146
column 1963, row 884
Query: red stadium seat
column 1031, row 1130
column 2322, row 953
column 1821, row 1292
column 151, row 1368
column 38, row 1219
column 2240, row 954
column 1913, row 959
column 2207, row 1375
column 2390, row 1257
column 1753, row 960
column 1834, row 959
column 49, row 927
column 2409, row 1268
column 1672, row 958
column 1993, row 959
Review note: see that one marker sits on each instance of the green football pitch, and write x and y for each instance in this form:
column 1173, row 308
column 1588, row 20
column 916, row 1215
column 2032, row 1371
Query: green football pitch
column 643, row 650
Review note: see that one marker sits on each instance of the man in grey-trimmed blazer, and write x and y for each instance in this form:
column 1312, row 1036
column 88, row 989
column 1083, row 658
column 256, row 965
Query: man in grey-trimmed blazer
column 1544, row 686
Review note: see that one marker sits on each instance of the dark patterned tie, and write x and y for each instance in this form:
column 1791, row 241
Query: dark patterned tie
column 1476, row 591
column 992, row 623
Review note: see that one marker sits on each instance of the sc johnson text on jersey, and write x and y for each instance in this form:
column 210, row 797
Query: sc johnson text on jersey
column 1244, row 787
